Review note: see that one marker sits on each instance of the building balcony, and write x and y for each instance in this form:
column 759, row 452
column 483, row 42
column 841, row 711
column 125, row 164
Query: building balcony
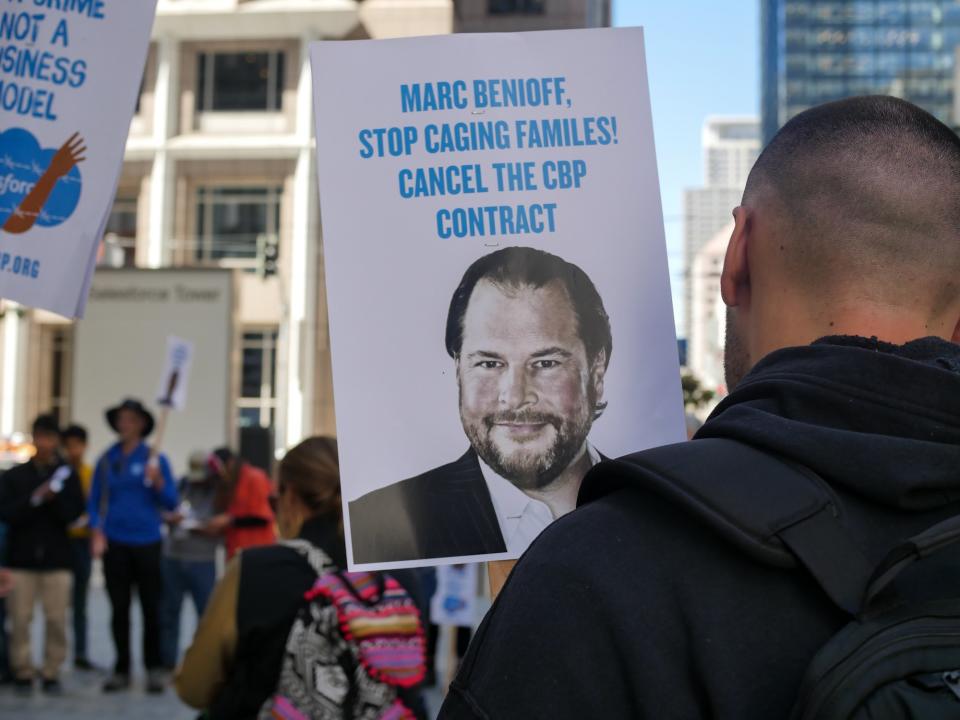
column 242, row 19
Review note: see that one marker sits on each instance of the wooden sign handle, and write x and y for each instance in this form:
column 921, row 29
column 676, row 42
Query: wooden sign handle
column 154, row 459
column 498, row 571
column 161, row 430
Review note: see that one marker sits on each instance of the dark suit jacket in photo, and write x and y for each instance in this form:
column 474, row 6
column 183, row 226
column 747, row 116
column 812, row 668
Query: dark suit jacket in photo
column 445, row 512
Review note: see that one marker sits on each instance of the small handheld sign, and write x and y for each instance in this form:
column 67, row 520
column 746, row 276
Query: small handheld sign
column 172, row 393
column 455, row 601
column 176, row 373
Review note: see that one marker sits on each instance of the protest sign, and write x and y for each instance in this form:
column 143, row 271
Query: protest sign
column 500, row 312
column 455, row 601
column 172, row 394
column 176, row 374
column 71, row 72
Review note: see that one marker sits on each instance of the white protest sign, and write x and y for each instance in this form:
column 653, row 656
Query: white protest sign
column 176, row 374
column 455, row 601
column 71, row 72
column 499, row 299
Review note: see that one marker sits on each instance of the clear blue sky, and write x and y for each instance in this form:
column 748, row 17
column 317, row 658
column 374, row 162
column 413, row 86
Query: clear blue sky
column 703, row 59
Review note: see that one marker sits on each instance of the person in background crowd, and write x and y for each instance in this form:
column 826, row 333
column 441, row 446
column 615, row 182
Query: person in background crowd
column 130, row 488
column 6, row 585
column 234, row 664
column 189, row 554
column 38, row 500
column 245, row 516
column 6, row 580
column 74, row 439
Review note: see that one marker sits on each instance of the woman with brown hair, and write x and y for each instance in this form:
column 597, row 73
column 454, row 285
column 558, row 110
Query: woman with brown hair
column 234, row 663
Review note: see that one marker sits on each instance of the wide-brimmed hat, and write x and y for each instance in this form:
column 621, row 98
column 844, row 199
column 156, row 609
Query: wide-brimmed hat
column 135, row 406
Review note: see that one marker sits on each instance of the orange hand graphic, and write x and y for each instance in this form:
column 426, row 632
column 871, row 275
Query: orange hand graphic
column 64, row 160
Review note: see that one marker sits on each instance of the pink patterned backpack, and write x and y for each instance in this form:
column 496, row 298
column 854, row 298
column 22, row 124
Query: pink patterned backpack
column 355, row 646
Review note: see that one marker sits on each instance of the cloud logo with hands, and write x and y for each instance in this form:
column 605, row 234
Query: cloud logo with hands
column 49, row 177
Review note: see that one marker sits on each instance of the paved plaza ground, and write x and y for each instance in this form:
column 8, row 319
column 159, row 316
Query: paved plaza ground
column 82, row 698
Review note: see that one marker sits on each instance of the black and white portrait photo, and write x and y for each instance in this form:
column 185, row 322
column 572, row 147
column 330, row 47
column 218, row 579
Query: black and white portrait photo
column 530, row 343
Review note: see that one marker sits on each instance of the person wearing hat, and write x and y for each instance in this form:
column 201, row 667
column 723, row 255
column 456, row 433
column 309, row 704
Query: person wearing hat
column 39, row 500
column 131, row 487
column 189, row 553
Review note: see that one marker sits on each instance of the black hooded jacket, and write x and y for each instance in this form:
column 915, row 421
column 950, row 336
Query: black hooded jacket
column 630, row 608
column 37, row 535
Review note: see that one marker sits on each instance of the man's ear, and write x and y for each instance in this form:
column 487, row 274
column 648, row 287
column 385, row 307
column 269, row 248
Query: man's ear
column 598, row 372
column 735, row 279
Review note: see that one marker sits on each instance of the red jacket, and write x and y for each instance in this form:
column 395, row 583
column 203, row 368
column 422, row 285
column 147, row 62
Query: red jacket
column 251, row 499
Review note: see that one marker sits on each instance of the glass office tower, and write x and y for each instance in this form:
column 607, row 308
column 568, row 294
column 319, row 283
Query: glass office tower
column 815, row 51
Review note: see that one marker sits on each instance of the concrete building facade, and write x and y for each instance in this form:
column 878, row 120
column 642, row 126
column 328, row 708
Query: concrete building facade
column 513, row 15
column 219, row 171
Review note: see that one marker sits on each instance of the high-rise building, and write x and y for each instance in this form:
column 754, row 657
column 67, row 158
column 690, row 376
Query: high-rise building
column 512, row 15
column 730, row 147
column 815, row 52
column 708, row 314
column 219, row 171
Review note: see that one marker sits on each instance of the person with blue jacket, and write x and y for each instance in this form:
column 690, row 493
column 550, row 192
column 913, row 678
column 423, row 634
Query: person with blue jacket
column 131, row 488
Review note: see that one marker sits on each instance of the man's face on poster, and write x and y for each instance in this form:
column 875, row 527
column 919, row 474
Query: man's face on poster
column 527, row 388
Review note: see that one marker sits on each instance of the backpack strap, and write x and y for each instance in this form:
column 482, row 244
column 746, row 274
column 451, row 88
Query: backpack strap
column 930, row 541
column 776, row 511
column 317, row 558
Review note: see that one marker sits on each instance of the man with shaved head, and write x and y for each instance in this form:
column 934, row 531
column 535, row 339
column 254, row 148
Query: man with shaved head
column 853, row 215
column 842, row 281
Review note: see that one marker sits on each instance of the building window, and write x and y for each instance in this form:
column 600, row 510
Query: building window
column 518, row 7
column 240, row 81
column 235, row 223
column 257, row 405
column 60, row 365
column 120, row 237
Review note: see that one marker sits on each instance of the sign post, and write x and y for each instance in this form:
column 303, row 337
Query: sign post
column 497, row 572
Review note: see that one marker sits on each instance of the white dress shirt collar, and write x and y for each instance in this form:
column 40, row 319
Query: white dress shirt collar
column 520, row 516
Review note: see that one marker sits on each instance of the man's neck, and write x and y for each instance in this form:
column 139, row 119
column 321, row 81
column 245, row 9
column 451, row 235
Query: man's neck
column 128, row 446
column 561, row 495
column 44, row 459
column 892, row 324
